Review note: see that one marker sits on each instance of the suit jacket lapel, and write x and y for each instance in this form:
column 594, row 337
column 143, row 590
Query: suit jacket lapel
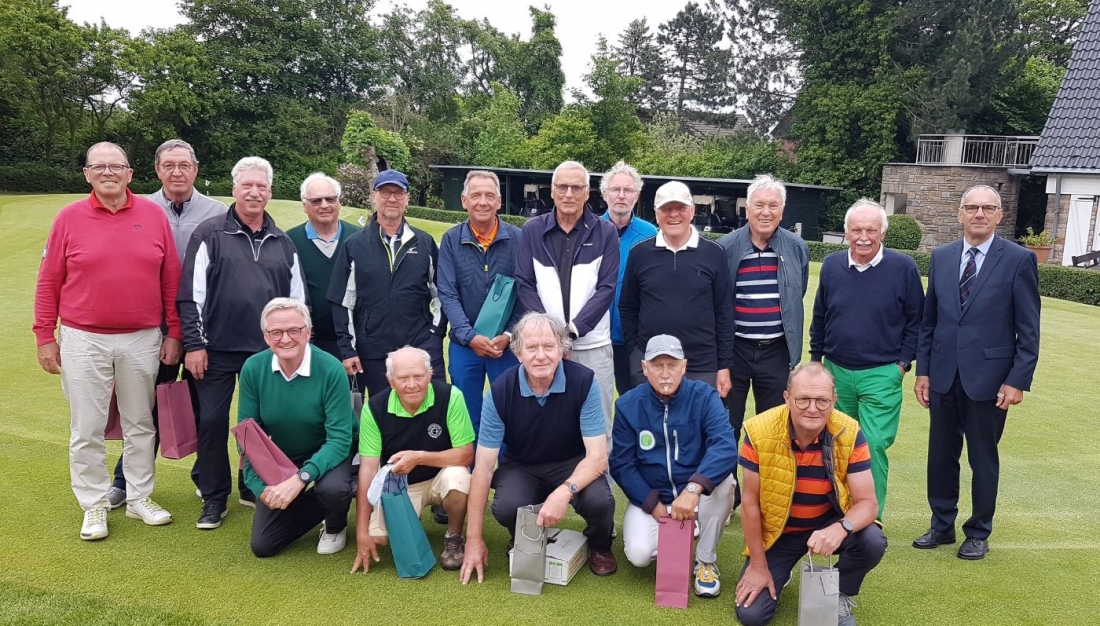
column 996, row 250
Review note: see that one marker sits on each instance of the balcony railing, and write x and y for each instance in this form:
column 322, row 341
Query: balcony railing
column 975, row 150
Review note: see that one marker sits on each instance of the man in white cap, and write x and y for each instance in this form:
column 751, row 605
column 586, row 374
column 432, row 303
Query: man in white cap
column 679, row 271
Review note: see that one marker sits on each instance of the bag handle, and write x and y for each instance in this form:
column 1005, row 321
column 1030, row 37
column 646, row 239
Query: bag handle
column 354, row 384
column 810, row 559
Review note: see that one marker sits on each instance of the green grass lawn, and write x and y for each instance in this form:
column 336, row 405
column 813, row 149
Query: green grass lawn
column 1041, row 566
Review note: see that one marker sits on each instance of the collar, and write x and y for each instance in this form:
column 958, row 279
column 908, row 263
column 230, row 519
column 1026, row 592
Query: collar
column 394, row 405
column 311, row 232
column 404, row 233
column 468, row 236
column 96, row 204
column 234, row 218
column 692, row 242
column 983, row 247
column 794, row 442
column 303, row 368
column 557, row 386
column 863, row 266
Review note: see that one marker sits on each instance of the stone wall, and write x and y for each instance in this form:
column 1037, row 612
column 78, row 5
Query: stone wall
column 933, row 192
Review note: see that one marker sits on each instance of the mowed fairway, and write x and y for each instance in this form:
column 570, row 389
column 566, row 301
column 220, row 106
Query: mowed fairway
column 1042, row 567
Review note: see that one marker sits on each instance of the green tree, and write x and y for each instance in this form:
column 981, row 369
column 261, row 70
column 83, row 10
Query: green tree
column 698, row 67
column 537, row 77
column 361, row 133
column 640, row 57
column 1050, row 27
column 568, row 135
column 614, row 115
column 500, row 142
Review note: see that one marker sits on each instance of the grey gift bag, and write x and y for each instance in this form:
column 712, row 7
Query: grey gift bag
column 528, row 569
column 818, row 593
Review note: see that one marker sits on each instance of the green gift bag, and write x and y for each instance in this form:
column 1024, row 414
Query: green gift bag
column 412, row 554
column 497, row 308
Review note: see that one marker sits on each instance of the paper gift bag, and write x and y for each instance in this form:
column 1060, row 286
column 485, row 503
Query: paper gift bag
column 179, row 435
column 497, row 308
column 412, row 554
column 528, row 568
column 113, row 431
column 270, row 463
column 818, row 593
column 674, row 558
column 356, row 401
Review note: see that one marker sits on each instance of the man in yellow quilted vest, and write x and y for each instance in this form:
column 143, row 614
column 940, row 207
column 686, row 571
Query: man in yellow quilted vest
column 806, row 487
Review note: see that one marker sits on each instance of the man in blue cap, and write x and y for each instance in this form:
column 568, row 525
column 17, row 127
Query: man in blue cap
column 383, row 289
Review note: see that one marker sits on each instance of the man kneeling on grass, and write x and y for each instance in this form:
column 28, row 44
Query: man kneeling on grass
column 421, row 427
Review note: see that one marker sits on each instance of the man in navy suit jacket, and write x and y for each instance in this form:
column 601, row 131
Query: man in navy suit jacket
column 976, row 354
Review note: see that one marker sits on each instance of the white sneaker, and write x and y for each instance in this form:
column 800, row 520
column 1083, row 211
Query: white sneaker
column 149, row 512
column 115, row 497
column 330, row 543
column 95, row 524
column 707, row 584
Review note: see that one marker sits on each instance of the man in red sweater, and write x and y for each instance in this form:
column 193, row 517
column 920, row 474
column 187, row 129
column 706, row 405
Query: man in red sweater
column 110, row 272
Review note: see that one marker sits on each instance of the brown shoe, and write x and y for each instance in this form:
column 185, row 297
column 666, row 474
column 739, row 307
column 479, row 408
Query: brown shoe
column 602, row 563
column 454, row 550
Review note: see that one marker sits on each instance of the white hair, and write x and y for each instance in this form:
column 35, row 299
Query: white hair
column 866, row 203
column 281, row 304
column 622, row 167
column 253, row 163
column 569, row 165
column 766, row 181
column 316, row 176
column 472, row 174
column 532, row 320
column 423, row 354
column 966, row 193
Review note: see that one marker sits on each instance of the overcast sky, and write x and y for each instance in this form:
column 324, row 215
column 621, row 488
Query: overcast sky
column 580, row 22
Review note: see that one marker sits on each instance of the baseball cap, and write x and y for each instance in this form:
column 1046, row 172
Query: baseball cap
column 674, row 191
column 391, row 177
column 664, row 344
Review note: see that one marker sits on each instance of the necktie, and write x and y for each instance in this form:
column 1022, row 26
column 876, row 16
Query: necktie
column 966, row 282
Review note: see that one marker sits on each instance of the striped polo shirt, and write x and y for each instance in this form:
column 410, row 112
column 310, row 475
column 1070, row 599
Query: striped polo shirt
column 811, row 508
column 756, row 296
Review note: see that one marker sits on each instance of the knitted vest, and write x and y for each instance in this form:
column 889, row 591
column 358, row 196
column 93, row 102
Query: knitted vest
column 425, row 431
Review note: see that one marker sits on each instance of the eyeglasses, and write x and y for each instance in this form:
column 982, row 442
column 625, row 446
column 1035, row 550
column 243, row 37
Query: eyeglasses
column 822, row 404
column 182, row 168
column 391, row 193
column 293, row 333
column 988, row 209
column 622, row 191
column 115, row 168
column 322, row 200
column 576, row 189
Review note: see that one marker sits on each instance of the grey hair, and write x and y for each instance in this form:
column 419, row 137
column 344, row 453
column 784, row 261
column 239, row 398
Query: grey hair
column 106, row 144
column 869, row 203
column 569, row 165
column 966, row 193
column 316, row 176
column 810, row 368
column 532, row 320
column 282, row 304
column 172, row 144
column 253, row 163
column 472, row 174
column 622, row 167
column 764, row 182
column 423, row 354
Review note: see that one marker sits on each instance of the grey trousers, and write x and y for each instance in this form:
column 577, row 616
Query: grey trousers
column 601, row 361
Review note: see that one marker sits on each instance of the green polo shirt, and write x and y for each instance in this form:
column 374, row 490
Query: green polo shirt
column 458, row 421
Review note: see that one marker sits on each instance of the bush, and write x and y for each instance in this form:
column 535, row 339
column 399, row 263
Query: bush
column 1075, row 284
column 355, row 183
column 904, row 233
column 41, row 178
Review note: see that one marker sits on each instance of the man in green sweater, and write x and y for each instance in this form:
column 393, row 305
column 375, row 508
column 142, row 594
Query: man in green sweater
column 298, row 394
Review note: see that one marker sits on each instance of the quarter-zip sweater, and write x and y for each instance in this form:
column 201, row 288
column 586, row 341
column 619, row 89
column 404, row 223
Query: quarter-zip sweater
column 229, row 275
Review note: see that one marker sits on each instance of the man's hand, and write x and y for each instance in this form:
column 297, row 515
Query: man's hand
column 170, row 351
column 365, row 550
column 476, row 559
column 352, row 366
column 404, row 462
column 49, row 357
column 722, row 382
column 500, row 342
column 683, row 507
column 920, row 388
column 280, row 496
column 826, row 540
column 757, row 577
column 553, row 510
column 484, row 348
column 660, row 512
column 1008, row 396
column 196, row 362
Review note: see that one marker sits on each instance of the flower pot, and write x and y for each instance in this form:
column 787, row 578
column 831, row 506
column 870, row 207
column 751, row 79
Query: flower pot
column 1042, row 253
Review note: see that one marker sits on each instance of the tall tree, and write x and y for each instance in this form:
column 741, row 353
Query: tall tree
column 640, row 57
column 537, row 77
column 764, row 64
column 614, row 115
column 698, row 67
column 499, row 142
column 1049, row 27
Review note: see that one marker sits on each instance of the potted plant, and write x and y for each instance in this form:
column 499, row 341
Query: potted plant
column 1041, row 244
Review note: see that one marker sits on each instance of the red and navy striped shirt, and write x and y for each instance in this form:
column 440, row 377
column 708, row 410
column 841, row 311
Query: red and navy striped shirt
column 756, row 296
column 811, row 508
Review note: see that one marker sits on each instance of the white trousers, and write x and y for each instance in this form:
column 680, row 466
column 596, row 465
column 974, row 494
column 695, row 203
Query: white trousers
column 601, row 361
column 640, row 529
column 92, row 364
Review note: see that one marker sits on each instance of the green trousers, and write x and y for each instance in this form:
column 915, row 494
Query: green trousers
column 872, row 397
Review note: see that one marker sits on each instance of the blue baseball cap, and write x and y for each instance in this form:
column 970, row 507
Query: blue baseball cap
column 391, row 177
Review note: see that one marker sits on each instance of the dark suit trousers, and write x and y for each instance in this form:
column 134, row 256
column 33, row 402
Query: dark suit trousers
column 329, row 500
column 215, row 393
column 765, row 367
column 953, row 417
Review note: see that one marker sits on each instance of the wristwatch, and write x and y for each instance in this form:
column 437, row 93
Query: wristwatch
column 905, row 365
column 694, row 489
column 847, row 526
column 304, row 476
column 573, row 490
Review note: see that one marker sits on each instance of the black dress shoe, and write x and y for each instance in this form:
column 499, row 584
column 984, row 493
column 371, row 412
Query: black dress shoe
column 973, row 549
column 933, row 538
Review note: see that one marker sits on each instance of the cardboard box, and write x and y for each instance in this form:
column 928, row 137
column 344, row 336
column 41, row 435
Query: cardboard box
column 566, row 554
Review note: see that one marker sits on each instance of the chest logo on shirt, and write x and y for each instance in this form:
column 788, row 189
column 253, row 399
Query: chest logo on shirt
column 137, row 227
column 434, row 431
column 411, row 250
column 646, row 440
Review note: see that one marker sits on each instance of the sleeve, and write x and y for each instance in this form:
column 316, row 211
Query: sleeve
column 339, row 424
column 747, row 459
column 804, row 253
column 170, row 271
column 914, row 307
column 720, row 457
column 370, row 438
column 600, row 302
column 723, row 315
column 528, row 296
column 629, row 301
column 1025, row 310
column 622, row 463
column 298, row 289
column 860, row 458
column 491, row 433
column 458, row 420
column 592, row 421
column 47, row 291
column 927, row 322
column 817, row 321
column 342, row 297
column 248, row 405
column 193, row 291
column 439, row 318
column 462, row 329
column 518, row 310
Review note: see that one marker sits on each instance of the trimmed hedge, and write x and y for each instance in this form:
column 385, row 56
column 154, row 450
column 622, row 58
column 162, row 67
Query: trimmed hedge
column 1075, row 284
column 455, row 217
column 38, row 178
column 904, row 233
